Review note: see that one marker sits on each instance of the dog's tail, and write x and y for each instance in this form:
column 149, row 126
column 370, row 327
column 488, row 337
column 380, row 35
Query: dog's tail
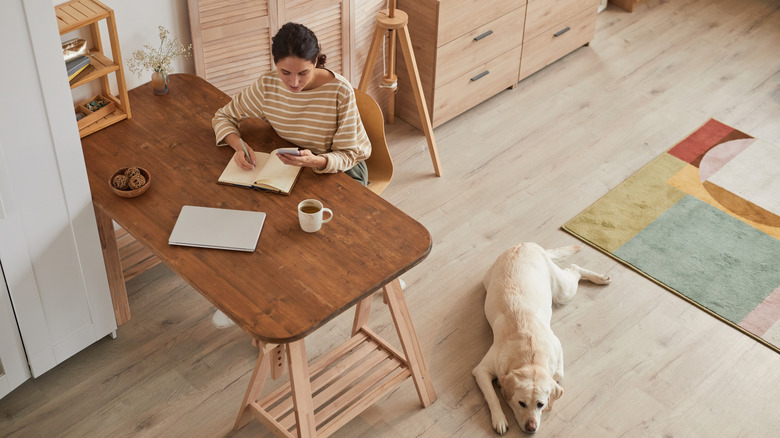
column 558, row 255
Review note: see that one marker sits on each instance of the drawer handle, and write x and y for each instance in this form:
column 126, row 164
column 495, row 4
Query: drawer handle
column 479, row 37
column 562, row 31
column 480, row 76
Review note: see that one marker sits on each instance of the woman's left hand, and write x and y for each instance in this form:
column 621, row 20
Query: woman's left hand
column 306, row 159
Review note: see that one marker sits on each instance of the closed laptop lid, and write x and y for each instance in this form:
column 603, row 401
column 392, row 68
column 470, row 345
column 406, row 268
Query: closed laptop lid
column 217, row 228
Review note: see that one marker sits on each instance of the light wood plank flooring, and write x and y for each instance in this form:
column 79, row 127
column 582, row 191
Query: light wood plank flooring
column 639, row 360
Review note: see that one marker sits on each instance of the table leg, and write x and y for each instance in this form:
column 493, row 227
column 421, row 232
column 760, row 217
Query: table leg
column 255, row 386
column 116, row 278
column 354, row 391
column 278, row 358
column 300, row 385
column 394, row 295
column 362, row 312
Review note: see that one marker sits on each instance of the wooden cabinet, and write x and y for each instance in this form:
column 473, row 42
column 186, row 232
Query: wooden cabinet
column 627, row 5
column 232, row 41
column 553, row 29
column 469, row 50
column 466, row 52
column 77, row 14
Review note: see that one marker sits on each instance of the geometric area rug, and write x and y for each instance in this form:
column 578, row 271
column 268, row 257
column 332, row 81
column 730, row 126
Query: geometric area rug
column 702, row 220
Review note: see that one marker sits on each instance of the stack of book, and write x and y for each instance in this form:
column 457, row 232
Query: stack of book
column 76, row 66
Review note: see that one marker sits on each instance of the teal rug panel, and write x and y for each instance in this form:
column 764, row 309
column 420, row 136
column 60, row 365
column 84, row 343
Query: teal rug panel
column 709, row 256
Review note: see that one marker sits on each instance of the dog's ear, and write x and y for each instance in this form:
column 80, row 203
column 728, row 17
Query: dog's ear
column 555, row 394
column 507, row 382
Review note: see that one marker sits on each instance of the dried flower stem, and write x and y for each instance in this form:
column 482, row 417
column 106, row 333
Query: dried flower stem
column 160, row 59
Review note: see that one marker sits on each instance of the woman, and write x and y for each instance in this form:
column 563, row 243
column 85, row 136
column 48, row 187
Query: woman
column 306, row 104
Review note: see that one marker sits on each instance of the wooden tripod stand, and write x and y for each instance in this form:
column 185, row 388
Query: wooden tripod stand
column 395, row 22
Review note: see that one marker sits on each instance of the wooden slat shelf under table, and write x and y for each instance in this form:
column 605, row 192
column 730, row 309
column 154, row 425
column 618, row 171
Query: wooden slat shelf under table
column 346, row 381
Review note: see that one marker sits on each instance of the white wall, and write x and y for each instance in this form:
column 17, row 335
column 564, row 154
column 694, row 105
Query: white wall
column 137, row 22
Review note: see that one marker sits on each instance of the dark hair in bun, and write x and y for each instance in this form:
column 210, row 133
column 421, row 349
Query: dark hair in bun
column 297, row 40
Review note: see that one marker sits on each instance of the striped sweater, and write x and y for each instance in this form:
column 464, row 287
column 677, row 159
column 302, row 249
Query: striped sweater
column 324, row 120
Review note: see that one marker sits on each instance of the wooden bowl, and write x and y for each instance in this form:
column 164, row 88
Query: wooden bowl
column 131, row 193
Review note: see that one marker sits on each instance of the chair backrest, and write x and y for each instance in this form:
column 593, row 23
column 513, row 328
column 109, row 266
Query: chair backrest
column 379, row 164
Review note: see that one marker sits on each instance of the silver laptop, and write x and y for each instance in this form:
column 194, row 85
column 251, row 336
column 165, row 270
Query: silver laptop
column 217, row 228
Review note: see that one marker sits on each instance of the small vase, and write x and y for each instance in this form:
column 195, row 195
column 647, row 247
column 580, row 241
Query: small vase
column 159, row 83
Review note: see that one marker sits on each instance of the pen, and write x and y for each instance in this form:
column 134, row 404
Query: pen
column 246, row 152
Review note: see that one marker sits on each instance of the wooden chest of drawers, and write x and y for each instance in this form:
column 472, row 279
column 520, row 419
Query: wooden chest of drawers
column 469, row 50
column 553, row 29
column 466, row 51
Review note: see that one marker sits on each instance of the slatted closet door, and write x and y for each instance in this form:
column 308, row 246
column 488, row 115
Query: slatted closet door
column 328, row 19
column 364, row 17
column 231, row 41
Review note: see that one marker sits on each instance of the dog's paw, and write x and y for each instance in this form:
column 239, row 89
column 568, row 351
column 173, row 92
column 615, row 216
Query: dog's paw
column 499, row 423
column 603, row 279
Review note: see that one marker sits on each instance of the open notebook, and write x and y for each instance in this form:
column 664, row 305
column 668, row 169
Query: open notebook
column 269, row 174
column 217, row 228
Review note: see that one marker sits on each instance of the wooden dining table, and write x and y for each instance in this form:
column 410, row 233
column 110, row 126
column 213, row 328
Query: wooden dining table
column 292, row 284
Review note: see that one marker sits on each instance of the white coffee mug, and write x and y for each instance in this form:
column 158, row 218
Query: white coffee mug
column 310, row 215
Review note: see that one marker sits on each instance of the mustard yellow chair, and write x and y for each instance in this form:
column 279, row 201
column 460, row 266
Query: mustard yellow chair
column 379, row 164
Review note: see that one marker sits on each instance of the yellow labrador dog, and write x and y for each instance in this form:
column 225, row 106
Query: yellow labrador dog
column 526, row 357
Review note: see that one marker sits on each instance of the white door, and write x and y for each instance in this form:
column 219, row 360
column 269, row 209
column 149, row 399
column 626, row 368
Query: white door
column 13, row 363
column 49, row 246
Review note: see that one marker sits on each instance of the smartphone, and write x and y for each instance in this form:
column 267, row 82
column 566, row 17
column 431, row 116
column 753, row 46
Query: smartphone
column 289, row 151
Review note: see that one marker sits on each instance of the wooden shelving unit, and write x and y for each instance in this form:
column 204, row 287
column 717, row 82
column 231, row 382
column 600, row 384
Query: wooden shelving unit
column 77, row 14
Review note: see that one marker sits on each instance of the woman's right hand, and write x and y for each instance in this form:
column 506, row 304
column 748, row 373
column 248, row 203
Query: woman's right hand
column 240, row 158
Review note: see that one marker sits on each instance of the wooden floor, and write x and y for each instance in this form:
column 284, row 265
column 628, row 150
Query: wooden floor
column 639, row 360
